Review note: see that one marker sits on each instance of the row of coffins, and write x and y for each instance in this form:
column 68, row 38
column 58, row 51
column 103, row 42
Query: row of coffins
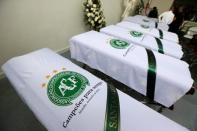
column 63, row 96
column 150, row 22
column 163, row 78
column 144, row 57
column 153, row 43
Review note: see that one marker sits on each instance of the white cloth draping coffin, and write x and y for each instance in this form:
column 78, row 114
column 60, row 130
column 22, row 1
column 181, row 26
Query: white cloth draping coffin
column 147, row 41
column 144, row 20
column 150, row 31
column 145, row 17
column 87, row 111
column 130, row 66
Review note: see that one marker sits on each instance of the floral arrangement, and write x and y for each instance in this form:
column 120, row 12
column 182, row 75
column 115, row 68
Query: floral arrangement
column 94, row 15
column 140, row 7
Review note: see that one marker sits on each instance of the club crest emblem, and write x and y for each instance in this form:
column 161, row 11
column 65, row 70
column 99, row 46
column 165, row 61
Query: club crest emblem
column 119, row 44
column 65, row 86
column 136, row 33
column 145, row 20
column 145, row 26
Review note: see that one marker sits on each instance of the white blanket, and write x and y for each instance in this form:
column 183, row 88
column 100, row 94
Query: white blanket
column 145, row 17
column 130, row 66
column 38, row 78
column 144, row 20
column 147, row 41
column 150, row 31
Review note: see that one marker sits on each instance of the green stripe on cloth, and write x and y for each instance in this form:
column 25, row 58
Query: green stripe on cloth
column 160, row 46
column 112, row 115
column 151, row 77
column 160, row 34
column 156, row 24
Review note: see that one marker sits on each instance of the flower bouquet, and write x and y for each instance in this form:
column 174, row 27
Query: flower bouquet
column 94, row 15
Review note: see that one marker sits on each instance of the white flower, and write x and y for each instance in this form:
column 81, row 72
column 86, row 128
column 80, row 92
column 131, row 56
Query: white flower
column 94, row 10
column 100, row 21
column 92, row 22
column 97, row 13
column 94, row 5
column 90, row 2
column 96, row 18
column 89, row 14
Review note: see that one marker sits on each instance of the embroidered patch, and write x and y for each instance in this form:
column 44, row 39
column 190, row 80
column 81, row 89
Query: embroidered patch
column 136, row 34
column 145, row 26
column 145, row 20
column 65, row 87
column 119, row 44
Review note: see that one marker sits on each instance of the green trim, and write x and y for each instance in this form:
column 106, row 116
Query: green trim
column 112, row 115
column 119, row 44
column 156, row 24
column 160, row 46
column 160, row 34
column 151, row 77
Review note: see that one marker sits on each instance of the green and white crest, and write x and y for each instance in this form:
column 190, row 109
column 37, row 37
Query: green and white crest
column 145, row 20
column 119, row 44
column 145, row 26
column 65, row 87
column 136, row 33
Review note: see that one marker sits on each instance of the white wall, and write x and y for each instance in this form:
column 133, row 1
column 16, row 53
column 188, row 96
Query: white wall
column 162, row 5
column 27, row 25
